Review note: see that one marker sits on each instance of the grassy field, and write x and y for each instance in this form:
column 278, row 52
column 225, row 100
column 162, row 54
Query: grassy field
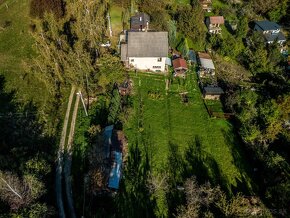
column 161, row 120
column 16, row 50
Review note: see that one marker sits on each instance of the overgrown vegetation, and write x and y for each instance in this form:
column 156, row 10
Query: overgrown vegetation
column 181, row 162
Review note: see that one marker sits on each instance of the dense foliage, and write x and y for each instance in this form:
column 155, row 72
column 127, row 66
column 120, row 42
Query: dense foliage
column 39, row 7
column 68, row 36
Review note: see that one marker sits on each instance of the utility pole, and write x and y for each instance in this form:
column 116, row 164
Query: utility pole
column 110, row 27
column 87, row 90
column 80, row 94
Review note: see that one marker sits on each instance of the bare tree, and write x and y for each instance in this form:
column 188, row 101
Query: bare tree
column 19, row 192
column 157, row 182
column 196, row 197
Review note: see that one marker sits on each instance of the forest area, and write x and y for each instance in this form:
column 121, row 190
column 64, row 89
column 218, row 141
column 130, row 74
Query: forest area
column 49, row 46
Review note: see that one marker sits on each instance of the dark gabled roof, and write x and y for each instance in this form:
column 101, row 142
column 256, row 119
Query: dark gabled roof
column 147, row 44
column 179, row 63
column 265, row 25
column 210, row 90
column 140, row 19
column 272, row 37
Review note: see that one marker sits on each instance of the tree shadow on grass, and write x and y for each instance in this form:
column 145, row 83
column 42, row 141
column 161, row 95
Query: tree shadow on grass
column 176, row 170
column 23, row 140
column 101, row 115
column 245, row 184
column 133, row 199
column 201, row 164
column 195, row 162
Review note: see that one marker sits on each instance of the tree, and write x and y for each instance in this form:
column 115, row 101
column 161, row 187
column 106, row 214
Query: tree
column 19, row 192
column 115, row 107
column 69, row 47
column 190, row 22
column 197, row 196
column 242, row 28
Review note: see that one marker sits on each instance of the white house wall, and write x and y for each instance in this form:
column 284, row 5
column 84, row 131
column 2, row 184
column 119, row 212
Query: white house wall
column 147, row 63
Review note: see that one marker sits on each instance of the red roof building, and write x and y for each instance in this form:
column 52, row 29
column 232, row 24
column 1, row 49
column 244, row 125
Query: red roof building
column 180, row 67
column 213, row 24
column 217, row 20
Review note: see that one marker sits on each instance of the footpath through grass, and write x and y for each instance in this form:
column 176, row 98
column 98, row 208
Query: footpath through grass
column 161, row 120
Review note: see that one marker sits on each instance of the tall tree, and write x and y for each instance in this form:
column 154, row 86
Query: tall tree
column 69, row 47
column 191, row 22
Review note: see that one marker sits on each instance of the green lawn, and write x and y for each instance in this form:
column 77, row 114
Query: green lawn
column 161, row 120
column 16, row 50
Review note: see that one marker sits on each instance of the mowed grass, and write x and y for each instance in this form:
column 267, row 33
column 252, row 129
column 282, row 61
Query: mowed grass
column 116, row 22
column 16, row 51
column 166, row 119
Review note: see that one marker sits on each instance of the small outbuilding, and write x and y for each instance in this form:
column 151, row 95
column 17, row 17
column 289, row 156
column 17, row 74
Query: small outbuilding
column 214, row 23
column 180, row 67
column 206, row 65
column 212, row 93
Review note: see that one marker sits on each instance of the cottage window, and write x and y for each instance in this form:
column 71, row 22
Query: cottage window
column 156, row 67
column 159, row 59
column 132, row 60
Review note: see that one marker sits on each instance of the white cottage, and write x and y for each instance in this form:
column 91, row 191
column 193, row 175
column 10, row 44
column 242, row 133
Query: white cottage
column 145, row 50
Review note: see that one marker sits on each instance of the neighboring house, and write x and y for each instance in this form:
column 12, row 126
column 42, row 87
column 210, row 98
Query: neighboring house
column 140, row 22
column 212, row 93
column 270, row 30
column 206, row 5
column 206, row 66
column 145, row 51
column 214, row 23
column 180, row 67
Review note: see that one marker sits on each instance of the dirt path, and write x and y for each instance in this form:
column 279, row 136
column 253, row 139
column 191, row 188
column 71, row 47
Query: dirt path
column 68, row 161
column 58, row 180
